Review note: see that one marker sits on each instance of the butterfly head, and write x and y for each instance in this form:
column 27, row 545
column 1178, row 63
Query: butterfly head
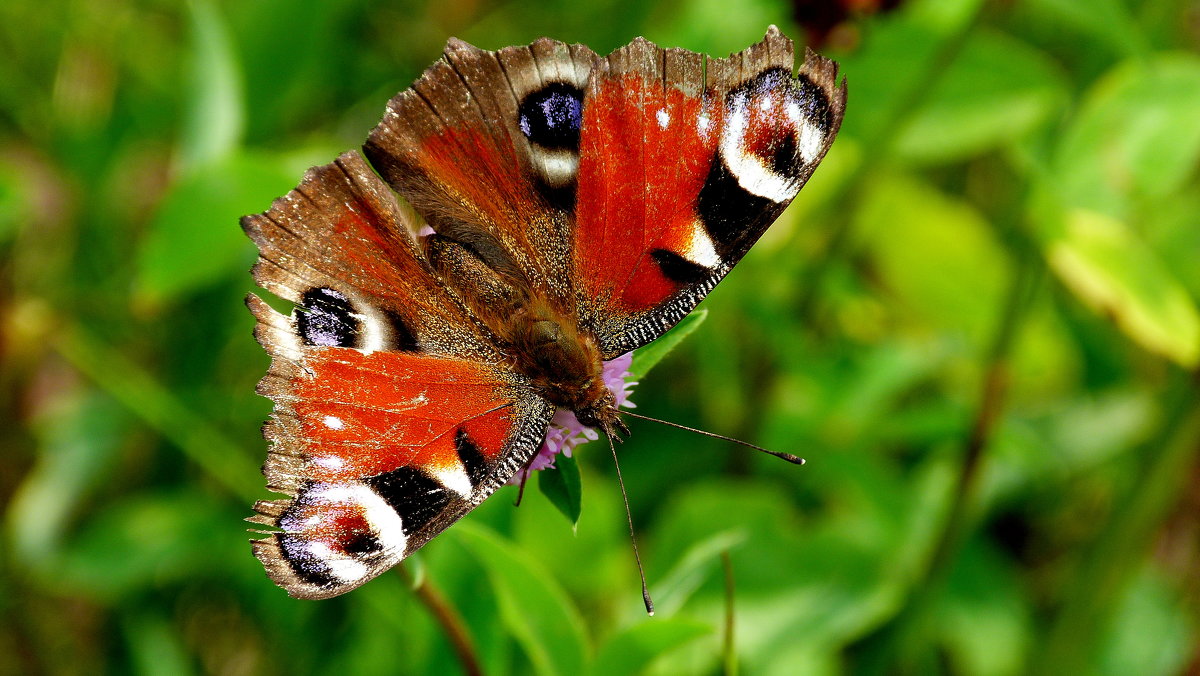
column 604, row 416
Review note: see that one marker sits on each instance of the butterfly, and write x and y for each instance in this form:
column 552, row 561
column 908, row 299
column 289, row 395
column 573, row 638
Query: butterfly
column 517, row 218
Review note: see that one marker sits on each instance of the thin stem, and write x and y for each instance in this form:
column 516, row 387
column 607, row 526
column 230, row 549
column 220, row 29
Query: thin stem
column 451, row 622
column 728, row 649
column 1105, row 570
column 895, row 651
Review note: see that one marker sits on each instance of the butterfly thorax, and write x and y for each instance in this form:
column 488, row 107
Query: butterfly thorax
column 544, row 340
column 564, row 363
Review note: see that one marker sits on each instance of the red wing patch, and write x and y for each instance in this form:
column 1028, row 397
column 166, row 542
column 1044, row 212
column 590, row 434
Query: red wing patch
column 645, row 151
column 366, row 414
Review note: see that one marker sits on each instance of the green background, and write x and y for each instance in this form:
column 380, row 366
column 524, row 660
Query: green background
column 978, row 323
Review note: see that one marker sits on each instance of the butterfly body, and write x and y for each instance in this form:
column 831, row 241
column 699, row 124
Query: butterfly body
column 558, row 210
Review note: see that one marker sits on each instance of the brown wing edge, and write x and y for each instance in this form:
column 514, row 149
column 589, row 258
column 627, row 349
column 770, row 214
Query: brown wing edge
column 522, row 445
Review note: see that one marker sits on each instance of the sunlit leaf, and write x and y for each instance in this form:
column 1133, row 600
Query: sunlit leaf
column 1137, row 135
column 561, row 485
column 956, row 277
column 534, row 608
column 646, row 357
column 1117, row 275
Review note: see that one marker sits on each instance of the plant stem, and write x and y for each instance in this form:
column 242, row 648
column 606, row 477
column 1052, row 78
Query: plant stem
column 449, row 619
column 1114, row 558
column 896, row 648
column 728, row 648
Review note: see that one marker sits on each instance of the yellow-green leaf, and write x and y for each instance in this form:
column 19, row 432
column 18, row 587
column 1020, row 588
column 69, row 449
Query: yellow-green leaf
column 1116, row 274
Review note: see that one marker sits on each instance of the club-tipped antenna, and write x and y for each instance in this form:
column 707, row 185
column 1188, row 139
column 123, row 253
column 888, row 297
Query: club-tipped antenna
column 632, row 537
column 794, row 459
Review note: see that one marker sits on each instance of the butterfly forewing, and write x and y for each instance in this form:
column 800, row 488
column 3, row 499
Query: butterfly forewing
column 394, row 414
column 677, row 181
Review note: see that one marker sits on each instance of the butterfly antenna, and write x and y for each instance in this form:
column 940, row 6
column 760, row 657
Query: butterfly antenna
column 632, row 537
column 794, row 459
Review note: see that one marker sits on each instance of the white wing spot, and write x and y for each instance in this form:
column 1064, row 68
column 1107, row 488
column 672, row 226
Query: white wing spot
column 334, row 423
column 455, row 478
column 810, row 142
column 329, row 462
column 754, row 177
column 663, row 117
column 701, row 249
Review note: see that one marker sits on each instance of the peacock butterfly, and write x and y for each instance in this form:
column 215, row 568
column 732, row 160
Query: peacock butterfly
column 515, row 219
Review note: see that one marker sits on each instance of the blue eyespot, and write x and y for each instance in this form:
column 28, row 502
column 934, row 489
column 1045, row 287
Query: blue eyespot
column 551, row 116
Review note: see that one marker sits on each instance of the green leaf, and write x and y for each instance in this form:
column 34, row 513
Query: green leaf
column 147, row 541
column 533, row 607
column 1136, row 135
column 693, row 568
column 956, row 244
column 77, row 442
column 195, row 238
column 997, row 90
column 632, row 650
column 1116, row 274
column 646, row 357
column 561, row 485
column 214, row 114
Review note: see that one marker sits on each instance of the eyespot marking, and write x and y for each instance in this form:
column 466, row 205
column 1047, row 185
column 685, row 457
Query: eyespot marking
column 326, row 318
column 551, row 116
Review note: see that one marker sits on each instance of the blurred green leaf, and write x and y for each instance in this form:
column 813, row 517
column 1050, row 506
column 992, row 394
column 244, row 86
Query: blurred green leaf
column 78, row 440
column 214, row 113
column 1148, row 610
column 534, row 608
column 155, row 647
column 561, row 485
column 195, row 239
column 956, row 277
column 635, row 648
column 1137, row 135
column 998, row 89
column 646, row 357
column 986, row 630
column 1113, row 271
column 1109, row 21
column 13, row 200
column 696, row 565
column 145, row 541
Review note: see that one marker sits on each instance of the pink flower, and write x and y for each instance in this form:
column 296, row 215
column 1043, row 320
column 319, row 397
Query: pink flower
column 566, row 432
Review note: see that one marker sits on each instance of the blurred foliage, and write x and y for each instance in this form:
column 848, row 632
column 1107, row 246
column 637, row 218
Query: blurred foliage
column 978, row 323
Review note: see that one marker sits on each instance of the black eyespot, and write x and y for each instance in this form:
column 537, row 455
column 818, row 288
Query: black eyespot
column 415, row 496
column 679, row 269
column 403, row 339
column 326, row 318
column 551, row 116
column 470, row 456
